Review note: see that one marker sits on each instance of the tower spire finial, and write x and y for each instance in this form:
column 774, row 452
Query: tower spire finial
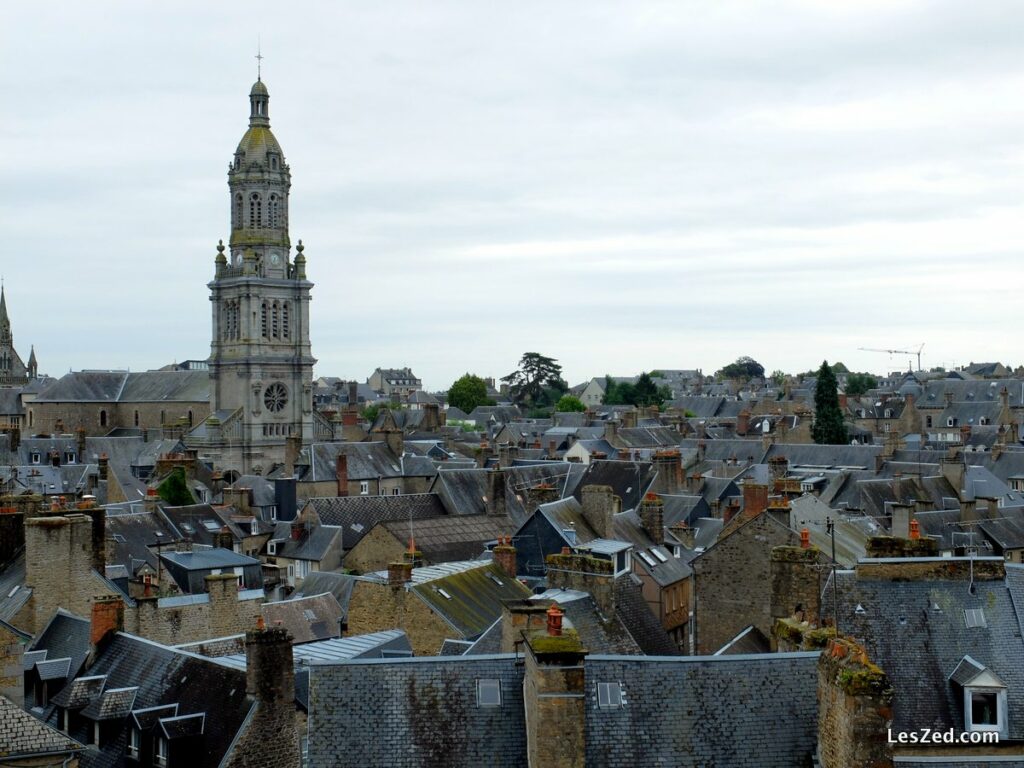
column 259, row 60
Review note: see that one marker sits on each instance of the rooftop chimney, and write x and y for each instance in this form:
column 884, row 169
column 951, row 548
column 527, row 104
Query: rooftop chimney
column 399, row 574
column 107, row 616
column 341, row 474
column 270, row 678
column 599, row 505
column 652, row 517
column 505, row 556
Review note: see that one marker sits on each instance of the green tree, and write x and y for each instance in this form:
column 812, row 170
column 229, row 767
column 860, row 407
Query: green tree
column 859, row 383
column 467, row 392
column 537, row 382
column 744, row 369
column 174, row 489
column 778, row 377
column 568, row 403
column 828, row 428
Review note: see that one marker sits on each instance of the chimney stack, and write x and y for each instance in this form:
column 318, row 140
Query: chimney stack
column 755, row 499
column 107, row 616
column 341, row 474
column 399, row 574
column 599, row 506
column 505, row 556
column 270, row 679
column 652, row 517
column 496, row 483
column 103, row 465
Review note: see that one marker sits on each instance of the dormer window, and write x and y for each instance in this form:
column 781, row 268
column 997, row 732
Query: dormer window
column 36, row 457
column 160, row 751
column 134, row 742
column 622, row 562
column 271, row 547
column 984, row 697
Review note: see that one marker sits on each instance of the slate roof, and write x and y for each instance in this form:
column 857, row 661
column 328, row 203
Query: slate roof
column 461, row 490
column 319, row 582
column 112, row 704
column 408, row 713
column 131, row 533
column 13, row 592
column 166, row 386
column 356, row 515
column 629, row 480
column 306, row 619
column 476, row 595
column 596, row 634
column 757, row 711
column 166, row 676
column 313, row 545
column 203, row 559
column 638, row 618
column 916, row 632
column 66, row 636
column 22, row 736
column 366, row 461
column 682, row 508
column 451, row 537
column 84, row 386
column 80, row 691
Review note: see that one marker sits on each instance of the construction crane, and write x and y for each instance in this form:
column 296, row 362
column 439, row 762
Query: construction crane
column 898, row 352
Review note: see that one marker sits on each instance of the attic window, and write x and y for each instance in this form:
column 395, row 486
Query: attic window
column 271, row 547
column 186, row 527
column 658, row 555
column 488, row 693
column 974, row 617
column 211, row 525
column 609, row 695
column 310, row 615
column 647, row 559
column 495, row 579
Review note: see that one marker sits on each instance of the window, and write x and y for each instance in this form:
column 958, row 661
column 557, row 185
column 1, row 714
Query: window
column 96, row 734
column 136, row 418
column 276, row 325
column 488, row 693
column 36, row 457
column 263, row 320
column 161, row 751
column 928, row 421
column 272, row 207
column 364, row 487
column 236, row 220
column 271, row 547
column 134, row 740
column 396, row 491
column 609, row 695
column 255, row 210
column 103, row 418
column 284, row 320
column 622, row 562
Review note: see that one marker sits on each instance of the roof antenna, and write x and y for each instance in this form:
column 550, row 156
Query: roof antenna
column 259, row 60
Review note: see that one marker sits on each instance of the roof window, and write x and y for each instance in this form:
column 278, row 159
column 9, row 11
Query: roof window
column 974, row 617
column 488, row 693
column 609, row 695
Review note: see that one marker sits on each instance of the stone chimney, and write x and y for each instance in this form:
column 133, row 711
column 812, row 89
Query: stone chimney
column 58, row 566
column 555, row 699
column 795, row 583
column 652, row 517
column 779, row 467
column 270, row 679
column 12, row 653
column 542, row 493
column 341, row 474
column 552, row 449
column 80, row 445
column 954, row 471
column 854, row 708
column 103, row 465
column 669, row 466
column 399, row 574
column 152, row 500
column 629, row 419
column 520, row 618
column 611, row 433
column 582, row 572
column 901, row 520
column 599, row 506
column 495, row 504
column 505, row 556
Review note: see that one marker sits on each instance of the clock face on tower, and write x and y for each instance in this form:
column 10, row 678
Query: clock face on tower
column 275, row 259
column 237, row 258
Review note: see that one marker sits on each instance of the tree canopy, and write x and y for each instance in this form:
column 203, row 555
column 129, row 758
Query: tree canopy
column 467, row 392
column 568, row 403
column 745, row 368
column 828, row 428
column 641, row 393
column 174, row 489
column 859, row 383
column 537, row 382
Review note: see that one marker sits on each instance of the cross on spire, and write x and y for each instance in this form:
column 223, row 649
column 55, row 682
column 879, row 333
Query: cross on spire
column 259, row 61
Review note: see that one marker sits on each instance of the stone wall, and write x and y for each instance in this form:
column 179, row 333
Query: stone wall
column 218, row 613
column 374, row 551
column 796, row 582
column 586, row 574
column 379, row 607
column 71, row 416
column 854, row 709
column 931, row 569
column 732, row 582
column 11, row 673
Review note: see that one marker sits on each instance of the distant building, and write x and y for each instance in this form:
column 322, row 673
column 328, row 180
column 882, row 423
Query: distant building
column 13, row 372
column 394, row 382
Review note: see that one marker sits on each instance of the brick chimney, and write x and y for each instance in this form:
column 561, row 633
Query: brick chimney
column 652, row 517
column 151, row 502
column 854, row 708
column 555, row 700
column 341, row 474
column 519, row 618
column 599, row 505
column 80, row 445
column 292, row 448
column 669, row 466
column 743, row 423
column 103, row 465
column 505, row 556
column 552, row 449
column 629, row 419
column 107, row 616
column 270, row 679
column 755, row 499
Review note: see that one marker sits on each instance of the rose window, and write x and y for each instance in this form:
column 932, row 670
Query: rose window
column 275, row 398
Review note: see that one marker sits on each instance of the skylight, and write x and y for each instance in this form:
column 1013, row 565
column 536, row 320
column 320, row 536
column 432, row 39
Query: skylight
column 488, row 693
column 659, row 555
column 647, row 559
column 974, row 617
column 310, row 616
column 609, row 695
column 444, row 594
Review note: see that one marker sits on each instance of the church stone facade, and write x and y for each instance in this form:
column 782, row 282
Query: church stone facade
column 261, row 364
column 13, row 372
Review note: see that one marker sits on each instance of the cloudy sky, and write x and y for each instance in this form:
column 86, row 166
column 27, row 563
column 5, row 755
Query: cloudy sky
column 622, row 186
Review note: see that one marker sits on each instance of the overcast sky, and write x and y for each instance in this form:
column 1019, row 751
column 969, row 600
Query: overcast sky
column 622, row 186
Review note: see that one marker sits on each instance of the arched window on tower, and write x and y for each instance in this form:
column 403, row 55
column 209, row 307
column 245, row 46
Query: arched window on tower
column 255, row 210
column 236, row 220
column 284, row 321
column 277, row 320
column 263, row 320
column 272, row 211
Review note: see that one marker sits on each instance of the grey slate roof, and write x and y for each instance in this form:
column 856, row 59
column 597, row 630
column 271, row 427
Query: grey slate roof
column 736, row 711
column 202, row 559
column 409, row 713
column 314, row 544
column 13, row 592
column 916, row 632
column 22, row 736
column 66, row 636
column 451, row 537
column 638, row 618
column 356, row 515
column 306, row 619
column 629, row 480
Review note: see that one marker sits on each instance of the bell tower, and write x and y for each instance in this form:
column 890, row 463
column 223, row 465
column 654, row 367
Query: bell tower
column 261, row 364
